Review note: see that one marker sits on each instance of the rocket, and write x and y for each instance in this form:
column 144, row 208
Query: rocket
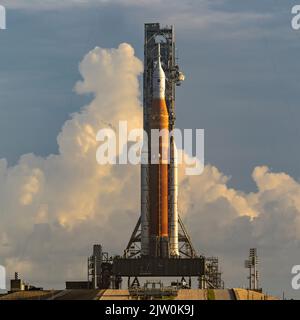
column 159, row 217
column 158, row 179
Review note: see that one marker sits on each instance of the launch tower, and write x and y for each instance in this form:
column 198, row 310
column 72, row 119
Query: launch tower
column 159, row 50
column 159, row 245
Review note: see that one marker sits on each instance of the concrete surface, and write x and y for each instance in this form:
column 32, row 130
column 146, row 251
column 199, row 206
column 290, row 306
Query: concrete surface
column 110, row 294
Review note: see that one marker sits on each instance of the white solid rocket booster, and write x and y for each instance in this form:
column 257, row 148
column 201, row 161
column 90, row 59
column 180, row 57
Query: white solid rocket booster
column 145, row 201
column 173, row 190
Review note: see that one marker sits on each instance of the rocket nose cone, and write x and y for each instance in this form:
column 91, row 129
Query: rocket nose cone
column 158, row 70
column 159, row 81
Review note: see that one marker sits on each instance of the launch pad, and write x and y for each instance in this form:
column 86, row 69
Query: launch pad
column 160, row 245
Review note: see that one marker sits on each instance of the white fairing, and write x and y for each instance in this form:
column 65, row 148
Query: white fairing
column 174, row 251
column 145, row 204
column 159, row 79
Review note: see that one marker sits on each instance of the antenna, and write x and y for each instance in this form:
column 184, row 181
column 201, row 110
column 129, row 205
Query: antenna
column 158, row 51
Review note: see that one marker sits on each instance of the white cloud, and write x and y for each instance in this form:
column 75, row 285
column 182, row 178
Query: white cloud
column 67, row 190
column 53, row 209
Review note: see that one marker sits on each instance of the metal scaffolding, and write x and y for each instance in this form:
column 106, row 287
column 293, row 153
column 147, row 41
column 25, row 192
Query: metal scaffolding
column 154, row 33
column 252, row 265
column 212, row 279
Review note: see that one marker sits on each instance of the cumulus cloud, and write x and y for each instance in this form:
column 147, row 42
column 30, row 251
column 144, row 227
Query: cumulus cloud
column 45, row 201
column 53, row 209
column 228, row 222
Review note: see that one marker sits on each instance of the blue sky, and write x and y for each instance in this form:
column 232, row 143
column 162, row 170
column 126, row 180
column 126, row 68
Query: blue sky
column 241, row 62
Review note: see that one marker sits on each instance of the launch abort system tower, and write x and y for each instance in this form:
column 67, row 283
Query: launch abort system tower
column 159, row 245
